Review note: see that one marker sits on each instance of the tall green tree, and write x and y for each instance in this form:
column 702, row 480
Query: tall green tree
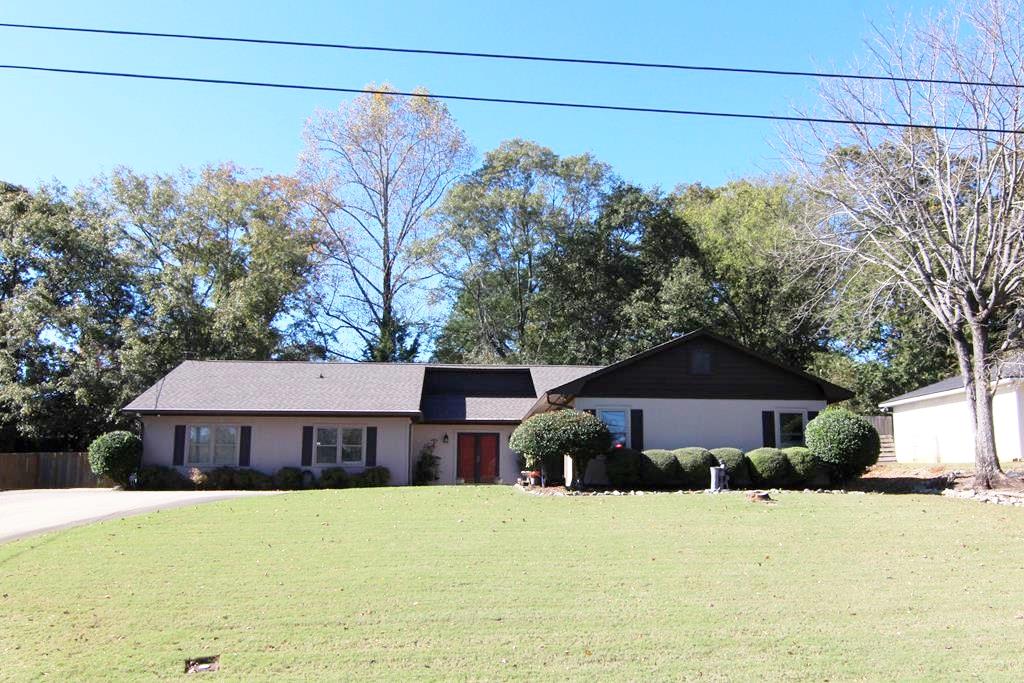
column 498, row 223
column 750, row 275
column 220, row 262
column 591, row 278
column 107, row 288
column 65, row 292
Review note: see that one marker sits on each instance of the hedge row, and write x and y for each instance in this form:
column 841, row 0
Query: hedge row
column 156, row 477
column 840, row 445
column 690, row 468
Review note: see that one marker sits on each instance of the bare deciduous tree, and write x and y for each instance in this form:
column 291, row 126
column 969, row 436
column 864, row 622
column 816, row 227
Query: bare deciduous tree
column 374, row 170
column 938, row 211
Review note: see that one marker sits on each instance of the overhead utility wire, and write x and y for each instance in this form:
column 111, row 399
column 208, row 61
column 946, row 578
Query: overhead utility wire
column 505, row 100
column 516, row 57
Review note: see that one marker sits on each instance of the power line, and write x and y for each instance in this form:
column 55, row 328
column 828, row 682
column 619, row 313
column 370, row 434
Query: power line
column 514, row 57
column 506, row 100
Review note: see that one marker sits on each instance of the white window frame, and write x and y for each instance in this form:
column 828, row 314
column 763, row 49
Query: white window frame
column 338, row 446
column 617, row 409
column 778, row 424
column 212, row 426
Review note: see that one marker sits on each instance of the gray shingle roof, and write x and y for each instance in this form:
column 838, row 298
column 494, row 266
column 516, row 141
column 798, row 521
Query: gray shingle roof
column 956, row 382
column 1013, row 367
column 311, row 388
column 285, row 387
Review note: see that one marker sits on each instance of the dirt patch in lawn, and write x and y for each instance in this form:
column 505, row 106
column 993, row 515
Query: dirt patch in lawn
column 920, row 478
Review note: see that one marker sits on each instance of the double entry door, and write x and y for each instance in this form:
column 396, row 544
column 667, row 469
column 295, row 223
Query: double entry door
column 477, row 458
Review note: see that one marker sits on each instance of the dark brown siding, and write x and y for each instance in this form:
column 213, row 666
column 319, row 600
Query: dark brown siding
column 734, row 374
column 485, row 382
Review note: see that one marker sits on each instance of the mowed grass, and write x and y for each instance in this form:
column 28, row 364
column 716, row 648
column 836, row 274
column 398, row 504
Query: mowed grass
column 484, row 583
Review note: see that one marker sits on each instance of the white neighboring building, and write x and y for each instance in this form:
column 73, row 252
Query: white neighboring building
column 932, row 424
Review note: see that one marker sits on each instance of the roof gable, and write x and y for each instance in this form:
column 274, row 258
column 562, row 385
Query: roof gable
column 702, row 364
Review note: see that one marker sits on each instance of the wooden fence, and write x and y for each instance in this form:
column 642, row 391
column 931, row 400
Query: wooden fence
column 883, row 423
column 47, row 471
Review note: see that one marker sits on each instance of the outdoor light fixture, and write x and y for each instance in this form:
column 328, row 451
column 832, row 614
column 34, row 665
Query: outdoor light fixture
column 444, row 439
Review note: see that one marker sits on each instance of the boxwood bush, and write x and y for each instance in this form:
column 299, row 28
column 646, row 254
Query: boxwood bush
column 160, row 478
column 253, row 480
column 625, row 467
column 222, row 479
column 660, row 469
column 695, row 463
column 808, row 469
column 115, row 455
column 736, row 466
column 335, row 478
column 844, row 440
column 371, row 476
column 770, row 468
column 288, row 478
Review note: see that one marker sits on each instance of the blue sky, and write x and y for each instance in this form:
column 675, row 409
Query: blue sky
column 72, row 128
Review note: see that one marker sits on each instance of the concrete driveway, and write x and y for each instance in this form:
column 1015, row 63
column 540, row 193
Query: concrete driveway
column 35, row 511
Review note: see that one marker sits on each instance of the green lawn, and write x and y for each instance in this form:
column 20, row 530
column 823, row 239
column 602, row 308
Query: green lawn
column 487, row 583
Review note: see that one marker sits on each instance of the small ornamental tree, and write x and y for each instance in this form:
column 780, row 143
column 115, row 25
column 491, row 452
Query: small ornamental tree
column 115, row 455
column 545, row 437
column 844, row 440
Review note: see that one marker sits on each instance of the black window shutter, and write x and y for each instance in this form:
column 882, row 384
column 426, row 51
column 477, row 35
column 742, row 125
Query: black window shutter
column 636, row 429
column 244, row 446
column 768, row 428
column 178, row 459
column 307, row 446
column 371, row 446
column 811, row 414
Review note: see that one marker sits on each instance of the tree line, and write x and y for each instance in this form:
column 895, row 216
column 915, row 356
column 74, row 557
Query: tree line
column 887, row 258
column 529, row 258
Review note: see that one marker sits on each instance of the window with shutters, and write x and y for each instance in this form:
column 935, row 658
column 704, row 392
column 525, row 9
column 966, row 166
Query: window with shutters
column 790, row 427
column 338, row 444
column 212, row 444
column 617, row 421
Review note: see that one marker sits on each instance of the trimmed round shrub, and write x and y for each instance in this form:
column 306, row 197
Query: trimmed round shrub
column 253, row 480
column 115, row 455
column 160, row 478
column 660, row 469
column 808, row 469
column 625, row 467
column 770, row 468
column 371, row 476
column 736, row 466
column 546, row 437
column 223, row 479
column 288, row 478
column 335, row 478
column 844, row 440
column 695, row 463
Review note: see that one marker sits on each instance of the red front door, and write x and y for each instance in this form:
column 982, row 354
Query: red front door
column 478, row 457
